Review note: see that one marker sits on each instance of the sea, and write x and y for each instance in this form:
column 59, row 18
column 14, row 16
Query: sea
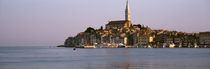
column 51, row 57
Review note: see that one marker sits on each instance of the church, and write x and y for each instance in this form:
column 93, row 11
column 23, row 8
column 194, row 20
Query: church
column 121, row 23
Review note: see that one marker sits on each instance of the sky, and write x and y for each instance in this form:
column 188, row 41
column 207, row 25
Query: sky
column 50, row 22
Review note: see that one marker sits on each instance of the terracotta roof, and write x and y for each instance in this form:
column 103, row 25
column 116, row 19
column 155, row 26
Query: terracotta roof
column 117, row 22
column 204, row 32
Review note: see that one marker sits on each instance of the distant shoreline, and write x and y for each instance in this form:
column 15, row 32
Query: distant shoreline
column 127, row 47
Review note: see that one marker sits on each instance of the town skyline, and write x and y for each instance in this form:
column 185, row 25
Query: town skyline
column 179, row 23
column 125, row 34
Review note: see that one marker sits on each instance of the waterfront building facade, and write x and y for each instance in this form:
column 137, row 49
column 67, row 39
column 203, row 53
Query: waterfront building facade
column 204, row 38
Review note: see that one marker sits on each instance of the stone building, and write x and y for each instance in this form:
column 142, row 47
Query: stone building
column 204, row 38
column 121, row 23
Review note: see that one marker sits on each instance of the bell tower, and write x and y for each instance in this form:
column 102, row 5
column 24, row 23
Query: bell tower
column 127, row 12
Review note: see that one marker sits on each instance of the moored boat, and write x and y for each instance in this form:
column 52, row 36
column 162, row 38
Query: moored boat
column 89, row 46
column 149, row 46
column 120, row 45
column 172, row 45
column 195, row 45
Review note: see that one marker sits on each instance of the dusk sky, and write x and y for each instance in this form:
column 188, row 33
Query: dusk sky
column 50, row 22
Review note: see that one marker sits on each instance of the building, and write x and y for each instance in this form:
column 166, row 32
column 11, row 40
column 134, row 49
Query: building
column 118, row 24
column 204, row 38
column 145, row 40
column 121, row 23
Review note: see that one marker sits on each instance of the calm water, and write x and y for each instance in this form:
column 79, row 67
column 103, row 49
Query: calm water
column 38, row 57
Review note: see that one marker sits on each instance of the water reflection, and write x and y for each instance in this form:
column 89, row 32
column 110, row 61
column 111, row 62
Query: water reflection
column 114, row 65
column 119, row 58
column 145, row 65
column 148, row 59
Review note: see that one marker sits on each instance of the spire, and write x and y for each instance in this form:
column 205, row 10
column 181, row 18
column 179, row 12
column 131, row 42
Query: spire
column 127, row 12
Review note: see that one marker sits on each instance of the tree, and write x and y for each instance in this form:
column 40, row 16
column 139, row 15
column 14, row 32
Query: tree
column 90, row 30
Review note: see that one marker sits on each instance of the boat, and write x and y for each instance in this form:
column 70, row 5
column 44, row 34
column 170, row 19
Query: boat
column 180, row 45
column 205, row 46
column 74, row 48
column 89, row 46
column 195, row 45
column 164, row 45
column 149, row 46
column 121, row 45
column 172, row 45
